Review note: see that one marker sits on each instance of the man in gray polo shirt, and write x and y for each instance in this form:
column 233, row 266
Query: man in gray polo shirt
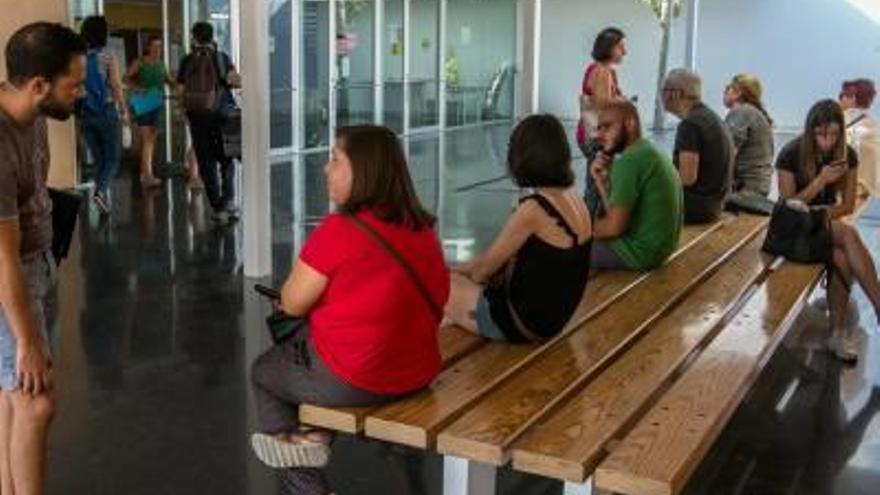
column 45, row 65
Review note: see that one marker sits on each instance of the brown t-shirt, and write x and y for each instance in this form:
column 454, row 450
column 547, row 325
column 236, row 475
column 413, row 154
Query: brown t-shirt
column 24, row 169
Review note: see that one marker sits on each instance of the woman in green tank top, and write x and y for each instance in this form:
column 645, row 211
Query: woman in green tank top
column 147, row 78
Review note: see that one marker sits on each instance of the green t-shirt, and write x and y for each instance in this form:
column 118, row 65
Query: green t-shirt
column 645, row 182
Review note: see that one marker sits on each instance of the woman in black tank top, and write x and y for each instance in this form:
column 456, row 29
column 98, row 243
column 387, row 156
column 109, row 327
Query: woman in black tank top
column 529, row 283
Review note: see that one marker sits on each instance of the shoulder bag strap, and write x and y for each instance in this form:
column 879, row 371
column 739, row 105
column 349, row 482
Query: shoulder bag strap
column 857, row 120
column 410, row 271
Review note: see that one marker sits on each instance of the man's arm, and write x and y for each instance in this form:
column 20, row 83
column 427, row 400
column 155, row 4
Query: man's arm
column 32, row 362
column 613, row 224
column 688, row 167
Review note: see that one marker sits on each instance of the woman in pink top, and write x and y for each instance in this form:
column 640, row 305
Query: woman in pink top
column 599, row 87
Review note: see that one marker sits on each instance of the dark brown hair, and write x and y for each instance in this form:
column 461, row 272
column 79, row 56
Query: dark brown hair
column 539, row 154
column 606, row 41
column 380, row 177
column 862, row 90
column 825, row 112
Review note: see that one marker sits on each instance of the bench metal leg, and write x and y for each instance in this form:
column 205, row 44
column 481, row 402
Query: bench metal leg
column 585, row 488
column 463, row 477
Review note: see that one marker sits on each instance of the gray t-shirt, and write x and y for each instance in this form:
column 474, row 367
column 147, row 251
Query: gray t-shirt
column 753, row 139
column 24, row 170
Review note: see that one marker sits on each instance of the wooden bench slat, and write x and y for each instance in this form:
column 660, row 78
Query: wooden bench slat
column 488, row 428
column 569, row 444
column 660, row 453
column 417, row 420
column 455, row 343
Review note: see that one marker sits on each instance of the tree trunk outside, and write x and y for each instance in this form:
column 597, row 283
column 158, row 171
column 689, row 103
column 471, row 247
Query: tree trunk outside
column 666, row 24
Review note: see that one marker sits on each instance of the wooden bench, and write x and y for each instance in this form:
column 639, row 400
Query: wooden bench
column 628, row 391
column 604, row 288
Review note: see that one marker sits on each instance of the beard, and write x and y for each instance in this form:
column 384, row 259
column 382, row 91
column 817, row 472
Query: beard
column 620, row 143
column 55, row 110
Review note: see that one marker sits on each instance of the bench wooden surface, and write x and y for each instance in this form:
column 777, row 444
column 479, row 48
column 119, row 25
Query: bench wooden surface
column 569, row 444
column 455, row 343
column 487, row 429
column 660, row 453
column 416, row 421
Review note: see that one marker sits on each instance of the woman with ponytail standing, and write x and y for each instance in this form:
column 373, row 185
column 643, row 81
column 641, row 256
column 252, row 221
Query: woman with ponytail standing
column 752, row 131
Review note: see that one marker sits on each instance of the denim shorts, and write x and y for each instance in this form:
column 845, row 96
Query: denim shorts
column 486, row 326
column 40, row 276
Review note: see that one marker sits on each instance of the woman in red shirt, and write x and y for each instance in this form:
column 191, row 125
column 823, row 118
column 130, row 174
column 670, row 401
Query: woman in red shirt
column 372, row 320
column 599, row 87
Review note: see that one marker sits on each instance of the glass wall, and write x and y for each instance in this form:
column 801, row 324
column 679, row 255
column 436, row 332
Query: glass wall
column 424, row 83
column 393, row 62
column 280, row 74
column 80, row 9
column 316, row 73
column 354, row 59
column 337, row 77
column 216, row 12
column 480, row 60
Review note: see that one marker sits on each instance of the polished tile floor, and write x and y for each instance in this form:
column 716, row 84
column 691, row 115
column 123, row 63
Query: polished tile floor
column 158, row 328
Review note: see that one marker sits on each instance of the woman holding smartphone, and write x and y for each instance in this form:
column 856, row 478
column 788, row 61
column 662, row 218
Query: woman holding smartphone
column 818, row 168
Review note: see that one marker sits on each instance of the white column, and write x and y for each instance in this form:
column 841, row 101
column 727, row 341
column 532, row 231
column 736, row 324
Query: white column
column 407, row 44
column 463, row 477
column 234, row 30
column 166, row 57
column 536, row 61
column 441, row 65
column 378, row 68
column 693, row 24
column 255, row 140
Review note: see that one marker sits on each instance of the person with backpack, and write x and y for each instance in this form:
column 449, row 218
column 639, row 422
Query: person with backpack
column 99, row 112
column 206, row 78
column 148, row 77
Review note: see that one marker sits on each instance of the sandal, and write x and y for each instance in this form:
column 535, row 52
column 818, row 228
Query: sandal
column 279, row 454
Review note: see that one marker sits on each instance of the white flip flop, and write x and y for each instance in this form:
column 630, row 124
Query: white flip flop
column 278, row 454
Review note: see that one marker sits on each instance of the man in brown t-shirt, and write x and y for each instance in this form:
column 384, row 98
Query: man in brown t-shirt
column 46, row 69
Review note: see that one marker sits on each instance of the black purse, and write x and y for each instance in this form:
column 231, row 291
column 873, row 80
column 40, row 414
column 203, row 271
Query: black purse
column 281, row 325
column 802, row 236
column 65, row 213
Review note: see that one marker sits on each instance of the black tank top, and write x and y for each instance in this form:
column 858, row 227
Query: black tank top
column 547, row 285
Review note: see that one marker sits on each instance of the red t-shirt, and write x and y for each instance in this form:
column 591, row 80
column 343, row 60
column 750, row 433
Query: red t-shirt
column 371, row 326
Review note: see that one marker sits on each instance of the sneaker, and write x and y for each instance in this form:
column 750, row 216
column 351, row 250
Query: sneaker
column 101, row 202
column 278, row 454
column 844, row 349
column 233, row 211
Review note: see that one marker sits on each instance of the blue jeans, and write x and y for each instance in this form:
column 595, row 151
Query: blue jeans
column 104, row 138
column 40, row 277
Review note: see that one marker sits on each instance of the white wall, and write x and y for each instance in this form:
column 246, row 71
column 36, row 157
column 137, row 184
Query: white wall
column 801, row 49
column 568, row 30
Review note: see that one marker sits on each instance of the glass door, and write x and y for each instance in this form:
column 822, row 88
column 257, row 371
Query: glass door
column 354, row 62
column 281, row 75
column 424, row 56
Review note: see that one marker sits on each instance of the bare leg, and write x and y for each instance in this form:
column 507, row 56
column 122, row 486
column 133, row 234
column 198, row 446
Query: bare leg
column 31, row 419
column 463, row 301
column 859, row 260
column 148, row 146
column 838, row 292
column 5, row 444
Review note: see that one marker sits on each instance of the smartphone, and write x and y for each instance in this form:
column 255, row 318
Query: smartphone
column 267, row 292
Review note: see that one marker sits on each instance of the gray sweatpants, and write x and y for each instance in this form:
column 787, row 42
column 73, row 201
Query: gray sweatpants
column 291, row 374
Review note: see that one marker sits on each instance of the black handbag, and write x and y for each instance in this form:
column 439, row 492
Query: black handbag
column 65, row 213
column 281, row 325
column 799, row 235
